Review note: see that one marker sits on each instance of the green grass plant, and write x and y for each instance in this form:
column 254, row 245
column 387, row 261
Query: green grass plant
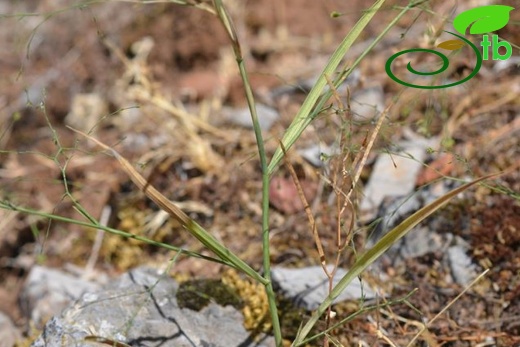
column 313, row 105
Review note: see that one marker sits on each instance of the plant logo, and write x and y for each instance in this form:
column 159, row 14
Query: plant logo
column 482, row 20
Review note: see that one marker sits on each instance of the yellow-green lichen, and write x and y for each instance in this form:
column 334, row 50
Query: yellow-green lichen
column 256, row 308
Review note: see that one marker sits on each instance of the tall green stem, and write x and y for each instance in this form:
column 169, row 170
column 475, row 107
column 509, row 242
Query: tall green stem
column 265, row 207
column 228, row 24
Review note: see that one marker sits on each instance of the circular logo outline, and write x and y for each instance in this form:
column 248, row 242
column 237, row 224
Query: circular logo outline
column 445, row 65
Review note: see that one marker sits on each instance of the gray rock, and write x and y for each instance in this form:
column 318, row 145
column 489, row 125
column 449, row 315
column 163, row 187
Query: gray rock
column 393, row 210
column 462, row 267
column 308, row 287
column 317, row 154
column 351, row 81
column 8, row 332
column 306, row 85
column 242, row 117
column 47, row 292
column 140, row 309
column 367, row 103
column 429, row 237
column 422, row 241
column 394, row 175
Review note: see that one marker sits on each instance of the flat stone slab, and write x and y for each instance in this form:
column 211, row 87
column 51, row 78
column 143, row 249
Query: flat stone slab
column 47, row 292
column 140, row 309
column 308, row 287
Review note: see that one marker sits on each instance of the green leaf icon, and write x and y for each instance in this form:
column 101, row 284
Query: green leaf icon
column 485, row 19
column 451, row 45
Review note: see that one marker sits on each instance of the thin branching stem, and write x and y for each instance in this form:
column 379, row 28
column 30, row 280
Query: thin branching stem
column 6, row 205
